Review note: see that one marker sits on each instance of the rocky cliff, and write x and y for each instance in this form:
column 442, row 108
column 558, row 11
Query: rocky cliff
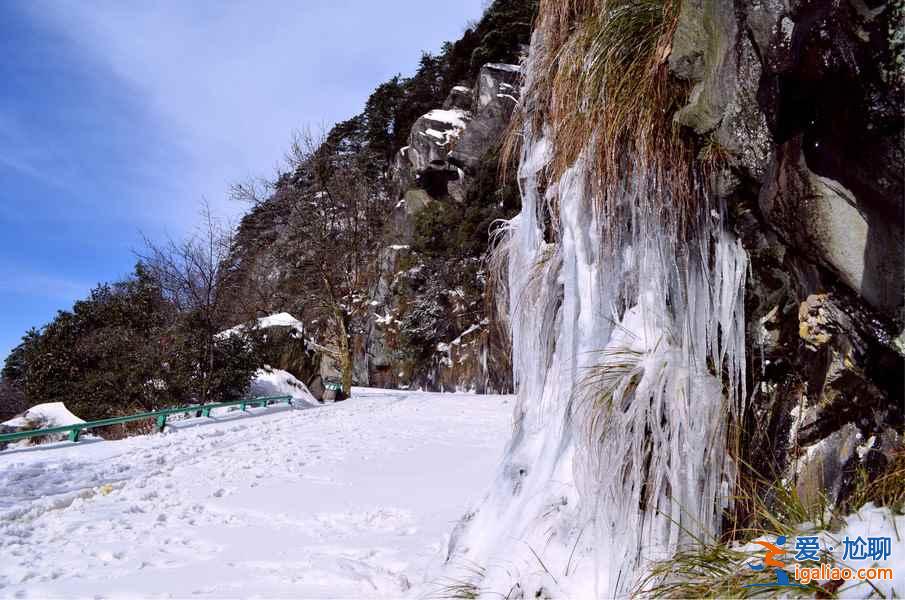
column 414, row 187
column 449, row 151
column 705, row 282
column 804, row 103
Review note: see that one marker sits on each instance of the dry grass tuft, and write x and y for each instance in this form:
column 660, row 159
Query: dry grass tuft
column 719, row 568
column 613, row 380
column 465, row 587
column 497, row 266
column 600, row 81
column 777, row 508
column 714, row 570
column 887, row 489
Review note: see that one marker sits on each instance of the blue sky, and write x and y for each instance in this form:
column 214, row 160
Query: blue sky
column 117, row 118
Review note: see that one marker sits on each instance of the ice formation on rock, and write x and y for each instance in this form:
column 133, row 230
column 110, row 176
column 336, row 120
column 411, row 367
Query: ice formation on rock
column 628, row 356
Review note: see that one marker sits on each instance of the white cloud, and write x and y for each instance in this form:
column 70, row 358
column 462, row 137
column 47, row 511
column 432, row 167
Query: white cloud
column 227, row 82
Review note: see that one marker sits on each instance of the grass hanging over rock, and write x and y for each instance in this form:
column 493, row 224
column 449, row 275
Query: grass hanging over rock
column 603, row 91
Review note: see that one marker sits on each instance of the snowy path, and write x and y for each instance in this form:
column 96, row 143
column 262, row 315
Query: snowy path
column 352, row 500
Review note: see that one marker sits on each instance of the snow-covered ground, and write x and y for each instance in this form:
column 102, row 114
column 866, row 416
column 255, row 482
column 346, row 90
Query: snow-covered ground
column 352, row 500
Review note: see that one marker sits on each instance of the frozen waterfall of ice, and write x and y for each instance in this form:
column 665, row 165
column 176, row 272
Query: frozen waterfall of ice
column 628, row 358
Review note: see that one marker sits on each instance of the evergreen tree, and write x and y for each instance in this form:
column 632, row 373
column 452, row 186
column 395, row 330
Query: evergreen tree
column 125, row 348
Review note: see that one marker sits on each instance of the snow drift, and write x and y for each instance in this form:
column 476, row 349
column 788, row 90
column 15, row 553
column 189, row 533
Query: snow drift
column 275, row 382
column 40, row 416
column 43, row 416
column 350, row 500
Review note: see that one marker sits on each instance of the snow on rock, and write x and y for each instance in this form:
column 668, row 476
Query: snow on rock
column 457, row 118
column 504, row 67
column 275, row 382
column 280, row 320
column 40, row 416
column 277, row 320
column 43, row 416
column 348, row 500
column 495, row 96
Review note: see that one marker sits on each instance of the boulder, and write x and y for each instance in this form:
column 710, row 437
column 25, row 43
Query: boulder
column 42, row 416
column 823, row 468
column 853, row 237
column 423, row 163
column 459, row 97
column 496, row 97
column 283, row 345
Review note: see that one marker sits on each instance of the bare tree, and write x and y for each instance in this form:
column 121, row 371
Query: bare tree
column 196, row 275
column 260, row 287
column 335, row 219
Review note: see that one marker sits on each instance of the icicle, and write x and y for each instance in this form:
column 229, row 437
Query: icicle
column 628, row 357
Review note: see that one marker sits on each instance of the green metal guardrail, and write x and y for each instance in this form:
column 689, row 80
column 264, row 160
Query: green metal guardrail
column 160, row 416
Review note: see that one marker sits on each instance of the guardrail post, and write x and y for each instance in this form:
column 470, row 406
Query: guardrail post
column 74, row 435
column 161, row 423
column 206, row 411
column 242, row 407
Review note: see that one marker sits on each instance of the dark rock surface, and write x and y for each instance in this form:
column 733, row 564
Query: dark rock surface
column 444, row 156
column 806, row 99
column 285, row 349
column 496, row 95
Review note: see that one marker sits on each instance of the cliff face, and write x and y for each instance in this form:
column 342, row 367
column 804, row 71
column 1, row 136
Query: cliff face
column 806, row 102
column 698, row 305
column 431, row 315
column 427, row 321
column 407, row 191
